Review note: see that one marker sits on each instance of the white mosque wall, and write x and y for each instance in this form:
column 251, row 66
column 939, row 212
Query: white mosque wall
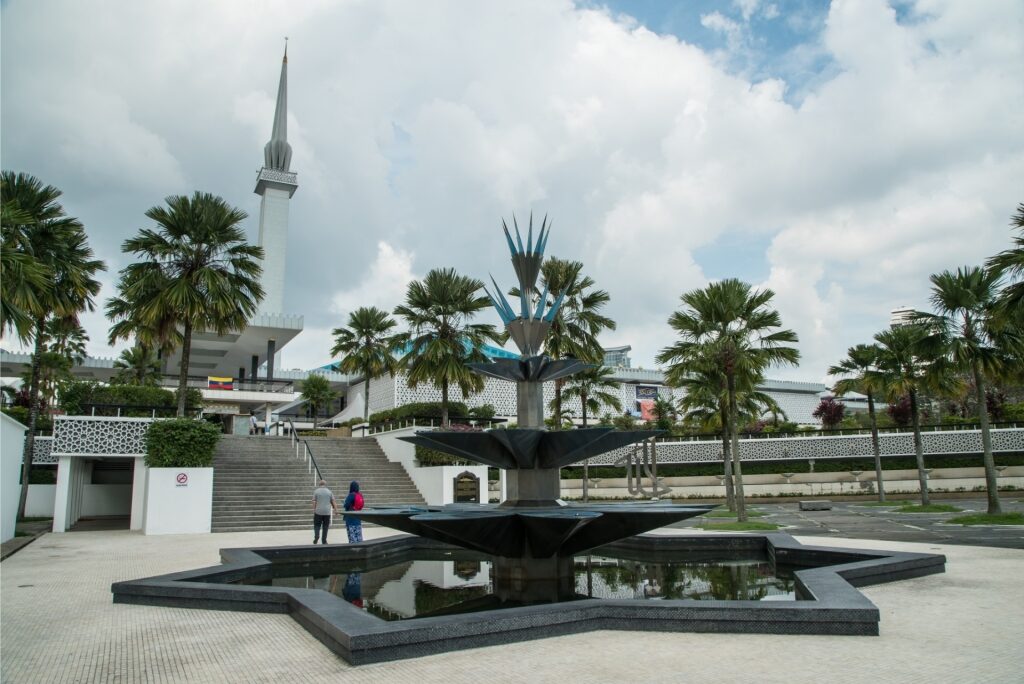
column 12, row 440
column 386, row 393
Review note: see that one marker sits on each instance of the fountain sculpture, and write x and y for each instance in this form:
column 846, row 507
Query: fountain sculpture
column 533, row 535
column 531, row 539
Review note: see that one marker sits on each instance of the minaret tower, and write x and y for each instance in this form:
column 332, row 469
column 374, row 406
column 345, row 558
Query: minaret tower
column 276, row 185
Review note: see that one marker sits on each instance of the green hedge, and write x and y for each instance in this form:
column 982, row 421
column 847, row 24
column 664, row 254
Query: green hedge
column 77, row 397
column 44, row 423
column 429, row 457
column 831, row 465
column 456, row 409
column 181, row 443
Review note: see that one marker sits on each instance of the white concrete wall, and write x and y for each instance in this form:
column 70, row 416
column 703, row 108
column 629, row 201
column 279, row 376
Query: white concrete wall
column 436, row 483
column 12, row 441
column 175, row 508
column 106, row 499
column 40, row 500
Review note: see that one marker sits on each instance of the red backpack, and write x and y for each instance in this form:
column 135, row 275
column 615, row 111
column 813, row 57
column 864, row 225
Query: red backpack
column 357, row 502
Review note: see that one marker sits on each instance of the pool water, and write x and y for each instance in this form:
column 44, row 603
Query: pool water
column 465, row 583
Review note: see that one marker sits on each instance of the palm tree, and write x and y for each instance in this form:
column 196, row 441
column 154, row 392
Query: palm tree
column 592, row 388
column 706, row 404
column 906, row 367
column 859, row 367
column 137, row 366
column 441, row 340
column 579, row 321
column 968, row 328
column 23, row 276
column 664, row 413
column 195, row 270
column 66, row 336
column 1011, row 263
column 45, row 241
column 368, row 347
column 728, row 328
column 316, row 390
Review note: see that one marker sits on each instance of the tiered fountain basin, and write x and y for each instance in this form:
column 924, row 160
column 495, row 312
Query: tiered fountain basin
column 823, row 580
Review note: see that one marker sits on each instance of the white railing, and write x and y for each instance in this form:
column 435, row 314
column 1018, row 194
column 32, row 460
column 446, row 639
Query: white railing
column 946, row 442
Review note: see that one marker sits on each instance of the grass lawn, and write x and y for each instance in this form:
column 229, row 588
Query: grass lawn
column 887, row 504
column 986, row 519
column 930, row 508
column 730, row 514
column 738, row 526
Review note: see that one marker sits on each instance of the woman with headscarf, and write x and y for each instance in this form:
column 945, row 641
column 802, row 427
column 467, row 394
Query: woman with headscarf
column 354, row 502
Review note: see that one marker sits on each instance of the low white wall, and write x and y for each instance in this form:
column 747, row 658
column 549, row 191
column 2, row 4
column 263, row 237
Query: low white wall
column 436, row 483
column 40, row 500
column 176, row 507
column 804, row 484
column 12, row 442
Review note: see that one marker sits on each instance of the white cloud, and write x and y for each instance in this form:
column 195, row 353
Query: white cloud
column 417, row 127
column 382, row 285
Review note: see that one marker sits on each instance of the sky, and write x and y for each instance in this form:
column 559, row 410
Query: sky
column 837, row 153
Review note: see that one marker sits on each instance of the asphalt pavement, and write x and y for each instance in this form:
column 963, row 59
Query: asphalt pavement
column 854, row 521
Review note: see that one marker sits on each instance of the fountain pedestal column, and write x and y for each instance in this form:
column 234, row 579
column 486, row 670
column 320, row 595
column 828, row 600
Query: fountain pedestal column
column 532, row 486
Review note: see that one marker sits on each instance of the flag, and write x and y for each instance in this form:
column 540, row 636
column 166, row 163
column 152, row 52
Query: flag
column 220, row 383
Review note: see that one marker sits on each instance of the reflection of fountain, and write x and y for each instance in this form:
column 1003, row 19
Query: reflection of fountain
column 533, row 532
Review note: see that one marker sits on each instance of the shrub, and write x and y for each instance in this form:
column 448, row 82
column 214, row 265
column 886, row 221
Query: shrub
column 78, row 398
column 311, row 433
column 456, row 409
column 44, row 423
column 181, row 443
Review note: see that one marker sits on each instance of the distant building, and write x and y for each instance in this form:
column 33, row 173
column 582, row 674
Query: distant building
column 900, row 316
column 617, row 357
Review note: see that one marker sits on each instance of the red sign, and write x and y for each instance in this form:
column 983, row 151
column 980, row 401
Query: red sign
column 182, row 478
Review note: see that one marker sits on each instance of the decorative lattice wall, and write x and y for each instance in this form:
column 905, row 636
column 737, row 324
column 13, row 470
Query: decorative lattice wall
column 846, row 446
column 42, row 451
column 386, row 393
column 95, row 436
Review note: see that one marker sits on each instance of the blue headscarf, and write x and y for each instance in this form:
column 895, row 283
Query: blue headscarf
column 354, row 487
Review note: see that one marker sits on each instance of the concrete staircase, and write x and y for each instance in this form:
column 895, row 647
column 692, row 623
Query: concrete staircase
column 259, row 484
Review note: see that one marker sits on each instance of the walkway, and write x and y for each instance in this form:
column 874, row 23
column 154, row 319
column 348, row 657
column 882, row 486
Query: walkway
column 59, row 625
column 852, row 521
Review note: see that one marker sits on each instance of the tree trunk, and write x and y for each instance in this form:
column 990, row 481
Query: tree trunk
column 737, row 469
column 730, row 493
column 186, row 351
column 444, row 403
column 875, row 449
column 33, row 416
column 991, row 485
column 586, row 461
column 366, row 400
column 922, row 476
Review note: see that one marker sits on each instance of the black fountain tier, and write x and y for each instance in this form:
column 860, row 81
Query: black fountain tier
column 533, row 523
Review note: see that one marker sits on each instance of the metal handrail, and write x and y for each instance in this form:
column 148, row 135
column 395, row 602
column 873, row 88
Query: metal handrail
column 302, row 448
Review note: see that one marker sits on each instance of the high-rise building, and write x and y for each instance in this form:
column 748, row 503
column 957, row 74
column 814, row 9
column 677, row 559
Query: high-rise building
column 901, row 315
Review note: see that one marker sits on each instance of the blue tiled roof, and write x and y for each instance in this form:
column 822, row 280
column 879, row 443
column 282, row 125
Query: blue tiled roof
column 488, row 350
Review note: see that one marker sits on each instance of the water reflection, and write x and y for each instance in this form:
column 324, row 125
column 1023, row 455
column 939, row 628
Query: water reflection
column 472, row 582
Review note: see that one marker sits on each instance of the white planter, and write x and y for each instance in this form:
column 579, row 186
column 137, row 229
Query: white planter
column 178, row 500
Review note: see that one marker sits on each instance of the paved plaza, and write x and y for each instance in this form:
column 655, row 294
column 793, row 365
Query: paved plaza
column 59, row 625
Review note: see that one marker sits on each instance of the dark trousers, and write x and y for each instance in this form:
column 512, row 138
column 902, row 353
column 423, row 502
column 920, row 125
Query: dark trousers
column 318, row 522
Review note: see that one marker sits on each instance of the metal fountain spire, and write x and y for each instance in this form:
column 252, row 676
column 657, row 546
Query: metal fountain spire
column 531, row 326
